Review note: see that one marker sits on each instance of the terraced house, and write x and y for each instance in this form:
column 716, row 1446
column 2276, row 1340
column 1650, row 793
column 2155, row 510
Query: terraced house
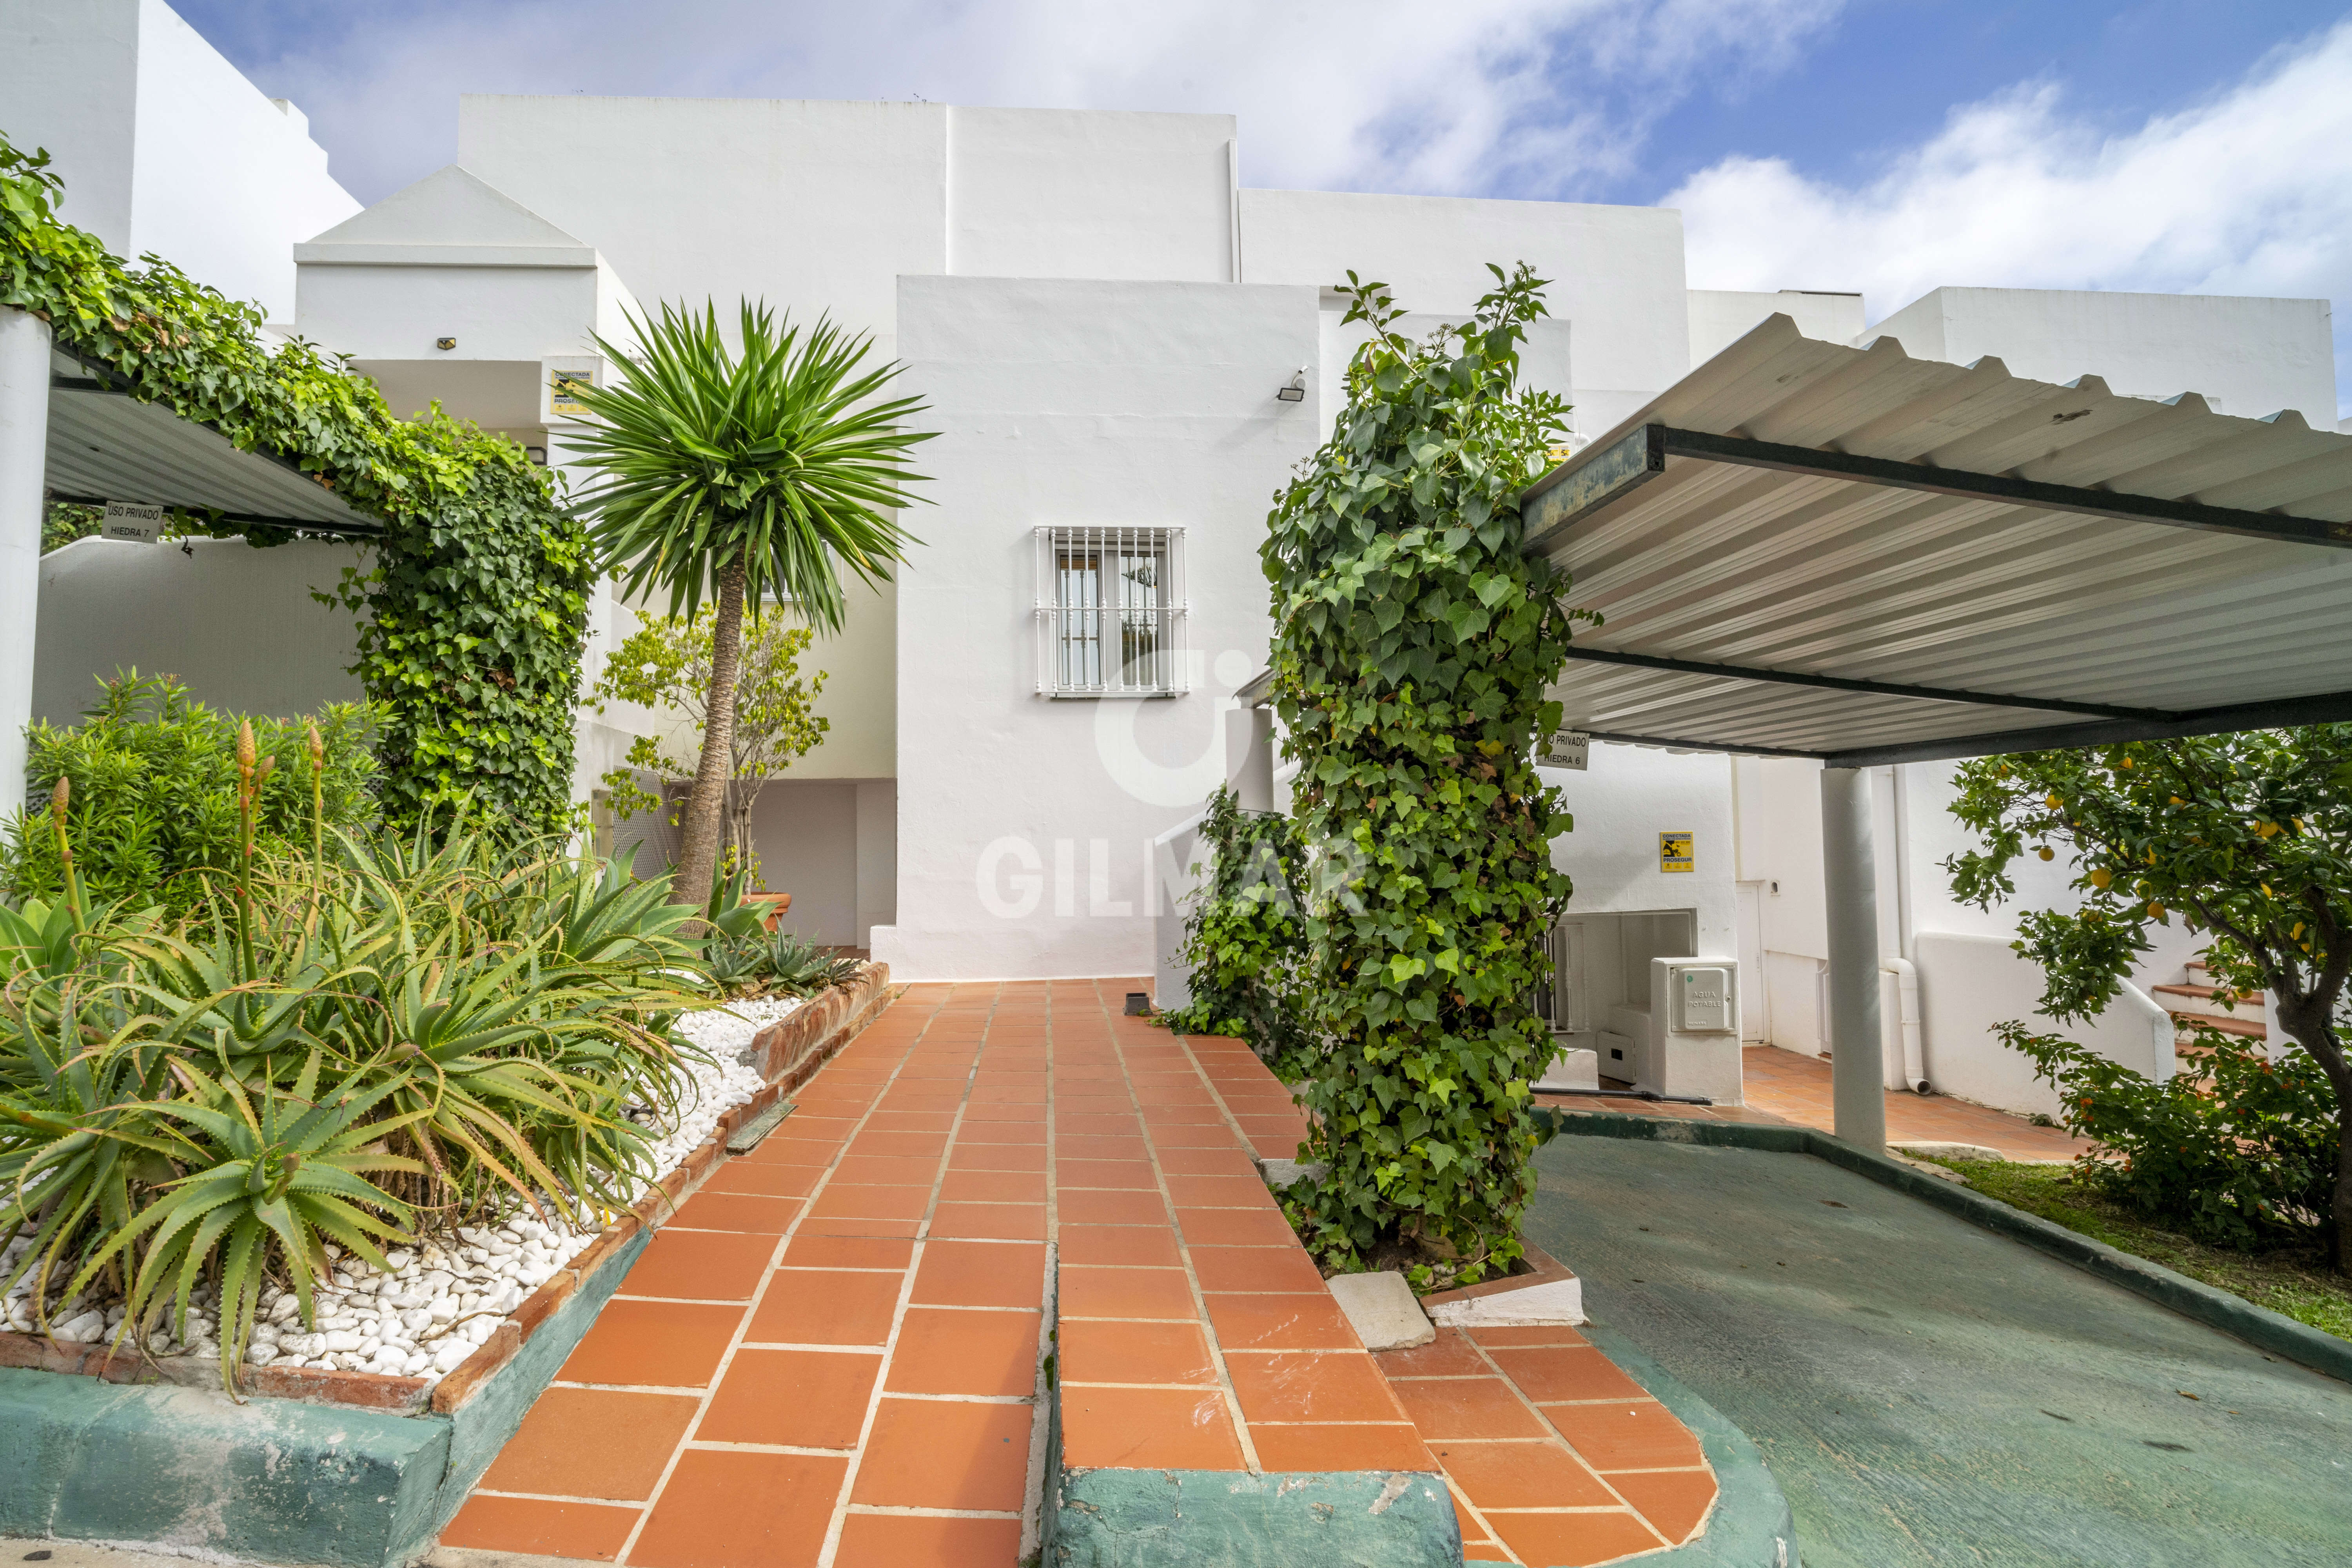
column 1834, row 544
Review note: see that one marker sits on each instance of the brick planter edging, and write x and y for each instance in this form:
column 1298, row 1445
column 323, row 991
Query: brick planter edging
column 346, row 1469
column 2208, row 1304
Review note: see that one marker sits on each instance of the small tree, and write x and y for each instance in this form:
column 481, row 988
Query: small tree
column 1414, row 642
column 2246, row 838
column 667, row 663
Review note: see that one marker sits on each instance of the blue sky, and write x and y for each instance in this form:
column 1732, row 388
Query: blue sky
column 1881, row 144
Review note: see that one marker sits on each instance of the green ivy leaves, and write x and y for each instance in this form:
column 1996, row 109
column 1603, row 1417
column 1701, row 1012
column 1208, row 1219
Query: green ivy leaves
column 476, row 594
column 1414, row 647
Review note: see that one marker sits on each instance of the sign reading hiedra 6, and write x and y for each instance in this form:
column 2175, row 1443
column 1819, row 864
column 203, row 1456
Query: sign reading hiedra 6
column 131, row 521
column 1564, row 749
column 1675, row 852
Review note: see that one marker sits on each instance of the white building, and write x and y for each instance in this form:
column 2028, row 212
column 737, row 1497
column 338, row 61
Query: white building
column 1101, row 320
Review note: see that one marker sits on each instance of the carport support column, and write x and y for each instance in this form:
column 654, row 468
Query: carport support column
column 1850, row 876
column 24, row 463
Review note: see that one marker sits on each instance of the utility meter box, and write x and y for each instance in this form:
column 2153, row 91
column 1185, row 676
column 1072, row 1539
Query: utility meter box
column 1694, row 1043
column 1703, row 1001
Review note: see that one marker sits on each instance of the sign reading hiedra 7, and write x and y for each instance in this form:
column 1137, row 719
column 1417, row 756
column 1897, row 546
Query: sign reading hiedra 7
column 1564, row 749
column 1675, row 852
column 129, row 520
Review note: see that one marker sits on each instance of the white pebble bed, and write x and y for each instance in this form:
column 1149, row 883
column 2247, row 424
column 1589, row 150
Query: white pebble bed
column 444, row 1297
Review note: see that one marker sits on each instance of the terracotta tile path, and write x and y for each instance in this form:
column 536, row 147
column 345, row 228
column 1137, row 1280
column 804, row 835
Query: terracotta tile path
column 1783, row 1085
column 830, row 1355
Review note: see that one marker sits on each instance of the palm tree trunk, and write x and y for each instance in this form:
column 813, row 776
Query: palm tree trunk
column 705, row 806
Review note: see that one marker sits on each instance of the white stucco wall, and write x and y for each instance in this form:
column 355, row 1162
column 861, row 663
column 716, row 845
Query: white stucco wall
column 1969, row 982
column 1616, row 272
column 1073, row 402
column 2250, row 357
column 811, row 206
column 1626, row 797
column 1051, row 193
column 1719, row 317
column 165, row 147
column 514, row 314
column 237, row 625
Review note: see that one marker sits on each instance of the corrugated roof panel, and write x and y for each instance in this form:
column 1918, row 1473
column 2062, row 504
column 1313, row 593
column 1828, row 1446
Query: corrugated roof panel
column 1718, row 562
column 106, row 446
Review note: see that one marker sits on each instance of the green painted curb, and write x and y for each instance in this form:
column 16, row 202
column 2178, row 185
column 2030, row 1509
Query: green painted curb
column 484, row 1424
column 1217, row 1519
column 187, row 1469
column 270, row 1481
column 2208, row 1304
column 1750, row 1525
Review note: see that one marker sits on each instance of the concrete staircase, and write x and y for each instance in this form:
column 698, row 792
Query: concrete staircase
column 2197, row 1002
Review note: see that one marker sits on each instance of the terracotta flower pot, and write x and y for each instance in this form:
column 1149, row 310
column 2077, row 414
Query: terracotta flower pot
column 777, row 904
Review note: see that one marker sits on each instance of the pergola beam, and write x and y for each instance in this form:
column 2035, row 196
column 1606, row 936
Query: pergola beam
column 1583, row 486
column 1871, row 688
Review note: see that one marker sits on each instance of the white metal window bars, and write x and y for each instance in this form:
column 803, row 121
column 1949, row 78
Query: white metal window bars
column 1111, row 611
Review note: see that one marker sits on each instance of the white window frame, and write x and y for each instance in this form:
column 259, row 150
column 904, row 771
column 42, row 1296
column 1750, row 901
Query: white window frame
column 1089, row 649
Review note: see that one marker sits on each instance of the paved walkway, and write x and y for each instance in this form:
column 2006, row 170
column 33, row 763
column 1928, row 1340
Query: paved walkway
column 1783, row 1086
column 831, row 1355
column 1928, row 1393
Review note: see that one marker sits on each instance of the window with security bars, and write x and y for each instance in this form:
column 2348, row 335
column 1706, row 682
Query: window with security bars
column 1110, row 609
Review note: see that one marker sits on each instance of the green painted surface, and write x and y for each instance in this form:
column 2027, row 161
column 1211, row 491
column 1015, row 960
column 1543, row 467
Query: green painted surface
column 1929, row 1392
column 1222, row 1518
column 272, row 1479
column 1750, row 1525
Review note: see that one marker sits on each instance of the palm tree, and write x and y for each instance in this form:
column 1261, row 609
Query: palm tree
column 748, row 475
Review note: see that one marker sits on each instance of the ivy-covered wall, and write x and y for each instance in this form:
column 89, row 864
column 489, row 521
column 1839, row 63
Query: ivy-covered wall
column 474, row 597
column 1413, row 645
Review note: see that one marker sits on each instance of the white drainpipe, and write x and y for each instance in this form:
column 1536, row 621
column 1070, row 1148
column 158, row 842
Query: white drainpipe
column 1907, row 985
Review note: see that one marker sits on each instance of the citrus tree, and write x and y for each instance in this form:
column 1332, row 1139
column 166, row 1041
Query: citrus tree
column 743, row 474
column 1414, row 643
column 2247, row 838
column 666, row 662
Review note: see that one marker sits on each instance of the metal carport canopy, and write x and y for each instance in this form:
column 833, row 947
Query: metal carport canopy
column 1806, row 549
column 104, row 444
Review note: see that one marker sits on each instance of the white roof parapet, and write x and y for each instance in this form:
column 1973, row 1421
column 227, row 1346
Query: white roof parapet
column 1814, row 550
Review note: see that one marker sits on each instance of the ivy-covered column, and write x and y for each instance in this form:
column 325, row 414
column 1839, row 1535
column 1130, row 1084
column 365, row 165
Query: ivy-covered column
column 1414, row 646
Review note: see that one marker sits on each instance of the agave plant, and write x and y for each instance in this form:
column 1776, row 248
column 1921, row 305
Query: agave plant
column 79, row 1138
column 485, row 1014
column 279, row 1173
column 800, row 968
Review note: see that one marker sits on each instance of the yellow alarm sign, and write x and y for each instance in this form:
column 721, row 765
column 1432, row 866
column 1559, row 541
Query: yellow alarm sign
column 1675, row 852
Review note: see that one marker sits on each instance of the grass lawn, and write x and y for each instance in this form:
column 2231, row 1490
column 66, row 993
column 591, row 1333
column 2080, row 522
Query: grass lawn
column 2297, row 1285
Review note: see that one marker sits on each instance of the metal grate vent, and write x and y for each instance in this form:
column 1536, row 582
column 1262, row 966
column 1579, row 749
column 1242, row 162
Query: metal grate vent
column 1110, row 610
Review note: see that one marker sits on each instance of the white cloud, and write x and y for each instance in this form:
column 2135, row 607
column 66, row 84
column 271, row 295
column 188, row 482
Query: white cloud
column 2249, row 191
column 1533, row 97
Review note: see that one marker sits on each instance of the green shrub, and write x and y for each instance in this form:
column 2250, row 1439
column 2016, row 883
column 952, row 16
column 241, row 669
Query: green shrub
column 2235, row 1149
column 154, row 795
column 1246, row 938
column 343, row 1042
column 1414, row 642
column 474, row 594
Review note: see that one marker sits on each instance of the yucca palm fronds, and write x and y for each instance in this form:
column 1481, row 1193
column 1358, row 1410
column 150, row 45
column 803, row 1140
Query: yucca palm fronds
column 763, row 470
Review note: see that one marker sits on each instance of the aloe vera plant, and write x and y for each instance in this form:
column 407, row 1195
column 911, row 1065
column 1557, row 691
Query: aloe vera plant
column 345, row 1046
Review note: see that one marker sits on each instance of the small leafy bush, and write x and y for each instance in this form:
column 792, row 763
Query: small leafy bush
column 154, row 802
column 1246, row 938
column 2235, row 1150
